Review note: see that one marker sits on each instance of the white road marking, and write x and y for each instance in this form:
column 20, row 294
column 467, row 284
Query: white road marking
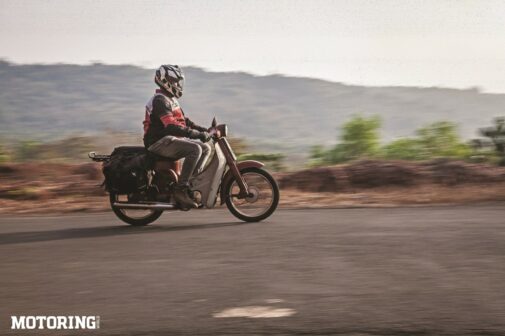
column 274, row 301
column 255, row 312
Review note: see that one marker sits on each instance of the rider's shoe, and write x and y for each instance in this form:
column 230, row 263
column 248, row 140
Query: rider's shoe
column 181, row 195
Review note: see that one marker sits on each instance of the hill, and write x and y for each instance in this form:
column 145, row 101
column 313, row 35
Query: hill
column 48, row 101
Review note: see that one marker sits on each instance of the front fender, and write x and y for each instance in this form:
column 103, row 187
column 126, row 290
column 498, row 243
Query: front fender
column 229, row 175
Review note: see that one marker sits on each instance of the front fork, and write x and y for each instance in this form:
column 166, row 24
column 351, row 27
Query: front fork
column 231, row 160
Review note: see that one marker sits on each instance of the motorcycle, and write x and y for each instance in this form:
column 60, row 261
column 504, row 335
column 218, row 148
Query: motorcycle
column 146, row 190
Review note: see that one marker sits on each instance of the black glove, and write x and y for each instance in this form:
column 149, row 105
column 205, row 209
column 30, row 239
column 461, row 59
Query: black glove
column 204, row 136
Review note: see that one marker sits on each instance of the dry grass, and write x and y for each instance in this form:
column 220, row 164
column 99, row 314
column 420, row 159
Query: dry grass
column 290, row 198
column 427, row 194
column 57, row 188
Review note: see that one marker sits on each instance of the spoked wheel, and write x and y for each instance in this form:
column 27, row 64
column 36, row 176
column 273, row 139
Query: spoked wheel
column 263, row 199
column 132, row 216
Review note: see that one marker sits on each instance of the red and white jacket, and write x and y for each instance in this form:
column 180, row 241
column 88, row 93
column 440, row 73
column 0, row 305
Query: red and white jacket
column 164, row 116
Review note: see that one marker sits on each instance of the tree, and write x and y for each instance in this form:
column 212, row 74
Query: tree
column 440, row 139
column 360, row 137
column 318, row 156
column 403, row 149
column 496, row 134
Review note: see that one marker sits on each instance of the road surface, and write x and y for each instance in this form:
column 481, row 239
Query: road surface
column 401, row 271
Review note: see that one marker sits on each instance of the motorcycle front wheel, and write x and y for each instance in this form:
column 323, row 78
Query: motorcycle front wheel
column 260, row 204
column 133, row 217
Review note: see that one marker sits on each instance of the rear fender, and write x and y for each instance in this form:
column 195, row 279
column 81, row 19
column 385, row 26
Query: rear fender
column 229, row 175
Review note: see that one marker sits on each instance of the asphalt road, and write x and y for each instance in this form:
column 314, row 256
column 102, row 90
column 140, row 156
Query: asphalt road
column 403, row 271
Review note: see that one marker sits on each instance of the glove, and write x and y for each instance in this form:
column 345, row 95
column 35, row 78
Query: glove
column 204, row 136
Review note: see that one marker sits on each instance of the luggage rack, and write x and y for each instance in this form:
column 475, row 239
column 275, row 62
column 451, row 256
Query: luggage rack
column 98, row 157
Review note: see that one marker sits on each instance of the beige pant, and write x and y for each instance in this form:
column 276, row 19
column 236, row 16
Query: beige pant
column 194, row 152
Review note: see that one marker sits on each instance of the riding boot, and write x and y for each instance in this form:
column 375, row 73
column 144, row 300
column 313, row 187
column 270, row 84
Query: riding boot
column 181, row 195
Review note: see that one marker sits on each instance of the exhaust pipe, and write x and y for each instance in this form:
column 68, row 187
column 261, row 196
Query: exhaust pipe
column 144, row 206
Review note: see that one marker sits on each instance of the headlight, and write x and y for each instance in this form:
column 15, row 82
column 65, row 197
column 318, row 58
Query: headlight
column 223, row 129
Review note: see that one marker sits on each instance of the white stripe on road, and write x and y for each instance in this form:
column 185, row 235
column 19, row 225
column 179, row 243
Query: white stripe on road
column 255, row 312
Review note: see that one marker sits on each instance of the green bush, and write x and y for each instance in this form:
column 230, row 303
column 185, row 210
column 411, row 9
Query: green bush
column 441, row 139
column 4, row 154
column 360, row 138
column 403, row 149
column 496, row 136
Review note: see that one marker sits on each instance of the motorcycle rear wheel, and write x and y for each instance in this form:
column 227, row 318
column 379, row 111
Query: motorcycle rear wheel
column 134, row 217
column 261, row 204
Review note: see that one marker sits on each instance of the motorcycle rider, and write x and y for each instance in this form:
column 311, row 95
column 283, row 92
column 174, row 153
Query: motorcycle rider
column 169, row 133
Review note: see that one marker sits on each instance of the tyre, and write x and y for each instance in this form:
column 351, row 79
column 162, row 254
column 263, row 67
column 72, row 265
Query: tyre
column 134, row 217
column 263, row 200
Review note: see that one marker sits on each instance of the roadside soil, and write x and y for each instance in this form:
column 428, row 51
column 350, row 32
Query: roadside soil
column 35, row 188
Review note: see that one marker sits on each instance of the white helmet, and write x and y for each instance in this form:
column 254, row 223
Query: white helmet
column 170, row 78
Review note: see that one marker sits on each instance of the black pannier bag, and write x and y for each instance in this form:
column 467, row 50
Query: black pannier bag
column 126, row 170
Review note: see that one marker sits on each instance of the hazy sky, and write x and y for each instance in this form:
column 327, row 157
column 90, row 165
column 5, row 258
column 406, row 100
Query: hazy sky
column 448, row 43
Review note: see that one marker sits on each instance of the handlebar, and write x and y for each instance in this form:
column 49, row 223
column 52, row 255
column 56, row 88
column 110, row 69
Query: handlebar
column 218, row 131
column 214, row 133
